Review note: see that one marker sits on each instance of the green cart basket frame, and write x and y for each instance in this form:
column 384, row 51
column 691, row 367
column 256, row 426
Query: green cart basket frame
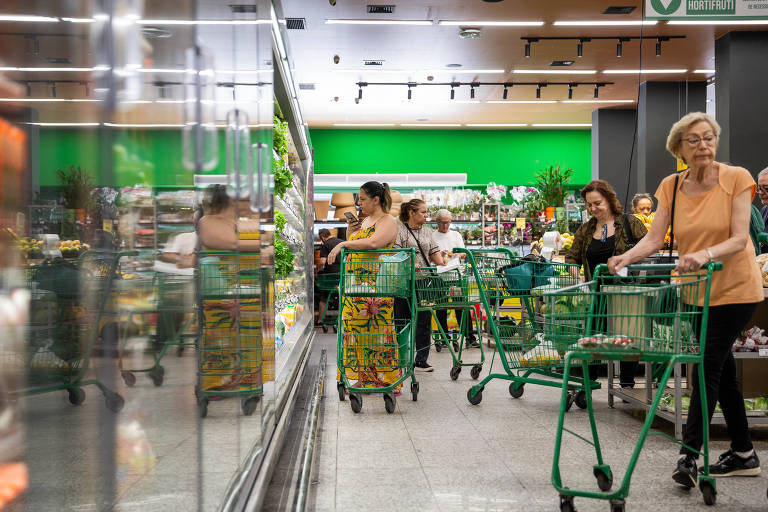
column 494, row 286
column 454, row 289
column 230, row 277
column 96, row 271
column 637, row 318
column 369, row 274
column 329, row 283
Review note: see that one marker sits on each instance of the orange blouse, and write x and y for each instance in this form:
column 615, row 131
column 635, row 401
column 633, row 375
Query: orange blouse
column 704, row 220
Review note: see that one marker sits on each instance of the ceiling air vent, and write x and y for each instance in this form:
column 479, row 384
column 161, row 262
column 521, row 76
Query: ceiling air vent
column 380, row 9
column 242, row 8
column 561, row 63
column 619, row 9
column 373, row 62
column 58, row 60
column 295, row 23
column 307, row 87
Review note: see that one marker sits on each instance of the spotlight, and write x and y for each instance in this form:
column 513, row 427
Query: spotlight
column 597, row 92
column 528, row 49
column 29, row 90
column 580, row 49
column 359, row 94
column 618, row 49
column 53, row 89
column 409, row 92
column 570, row 92
column 658, row 47
column 506, row 92
column 538, row 92
column 453, row 91
column 471, row 92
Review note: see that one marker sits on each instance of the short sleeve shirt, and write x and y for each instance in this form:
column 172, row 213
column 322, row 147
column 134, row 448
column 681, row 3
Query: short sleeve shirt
column 704, row 220
column 425, row 237
column 183, row 243
column 449, row 241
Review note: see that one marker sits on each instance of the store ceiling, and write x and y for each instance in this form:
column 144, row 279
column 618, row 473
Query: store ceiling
column 423, row 51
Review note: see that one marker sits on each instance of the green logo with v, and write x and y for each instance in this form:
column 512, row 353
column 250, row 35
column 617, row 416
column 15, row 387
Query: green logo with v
column 671, row 6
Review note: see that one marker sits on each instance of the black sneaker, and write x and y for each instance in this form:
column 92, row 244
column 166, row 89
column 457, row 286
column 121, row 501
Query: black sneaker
column 422, row 366
column 730, row 464
column 472, row 344
column 685, row 474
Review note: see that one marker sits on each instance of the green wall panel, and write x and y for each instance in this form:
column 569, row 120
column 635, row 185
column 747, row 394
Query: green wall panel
column 503, row 156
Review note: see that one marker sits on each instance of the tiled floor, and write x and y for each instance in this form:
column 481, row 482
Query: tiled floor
column 443, row 454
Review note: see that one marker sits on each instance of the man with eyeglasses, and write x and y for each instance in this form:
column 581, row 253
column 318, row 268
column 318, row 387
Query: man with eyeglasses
column 762, row 191
column 449, row 240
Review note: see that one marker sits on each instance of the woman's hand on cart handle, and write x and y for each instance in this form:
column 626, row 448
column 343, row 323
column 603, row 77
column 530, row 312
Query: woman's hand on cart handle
column 619, row 262
column 334, row 254
column 692, row 262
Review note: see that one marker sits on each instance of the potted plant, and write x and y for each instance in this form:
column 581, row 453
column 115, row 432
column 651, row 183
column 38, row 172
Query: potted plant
column 552, row 183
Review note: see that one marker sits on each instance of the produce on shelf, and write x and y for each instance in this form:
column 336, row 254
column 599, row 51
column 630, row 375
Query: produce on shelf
column 29, row 245
column 279, row 222
column 762, row 262
column 759, row 404
column 567, row 240
column 283, row 177
column 751, row 340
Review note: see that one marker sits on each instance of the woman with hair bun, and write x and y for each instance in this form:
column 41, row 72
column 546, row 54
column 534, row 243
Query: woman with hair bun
column 369, row 316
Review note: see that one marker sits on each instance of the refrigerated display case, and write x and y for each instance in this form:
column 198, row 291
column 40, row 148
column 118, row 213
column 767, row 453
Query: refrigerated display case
column 149, row 95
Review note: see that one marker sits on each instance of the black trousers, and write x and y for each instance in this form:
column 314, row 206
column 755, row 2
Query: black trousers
column 442, row 318
column 423, row 328
column 724, row 325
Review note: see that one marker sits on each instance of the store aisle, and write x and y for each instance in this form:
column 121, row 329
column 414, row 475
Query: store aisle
column 443, row 454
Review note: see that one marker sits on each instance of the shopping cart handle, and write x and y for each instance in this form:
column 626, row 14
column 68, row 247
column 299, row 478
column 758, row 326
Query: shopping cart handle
column 602, row 269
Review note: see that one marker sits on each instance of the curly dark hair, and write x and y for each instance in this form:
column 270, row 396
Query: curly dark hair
column 215, row 199
column 606, row 190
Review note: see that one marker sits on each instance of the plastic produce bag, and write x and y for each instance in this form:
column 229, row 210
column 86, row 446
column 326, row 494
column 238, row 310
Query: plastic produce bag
column 394, row 273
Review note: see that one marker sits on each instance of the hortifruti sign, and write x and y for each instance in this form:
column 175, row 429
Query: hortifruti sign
column 706, row 9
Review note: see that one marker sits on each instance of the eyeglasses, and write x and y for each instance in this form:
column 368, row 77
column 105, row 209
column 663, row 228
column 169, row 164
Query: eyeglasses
column 695, row 141
column 763, row 188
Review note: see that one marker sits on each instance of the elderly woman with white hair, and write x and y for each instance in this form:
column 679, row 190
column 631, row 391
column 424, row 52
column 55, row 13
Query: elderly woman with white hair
column 710, row 205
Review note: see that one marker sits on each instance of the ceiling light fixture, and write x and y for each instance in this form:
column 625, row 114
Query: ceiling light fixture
column 528, row 41
column 453, row 91
column 658, row 47
column 570, row 91
column 597, row 101
column 597, row 91
column 596, row 23
column 79, row 20
column 510, row 102
column 441, row 125
column 495, row 125
column 580, row 48
column 506, row 91
column 705, row 71
column 538, row 90
column 378, row 22
column 472, row 91
column 643, row 71
column 619, row 45
column 362, row 125
column 554, row 71
column 203, row 22
column 561, row 125
column 410, row 91
column 491, row 23
column 25, row 17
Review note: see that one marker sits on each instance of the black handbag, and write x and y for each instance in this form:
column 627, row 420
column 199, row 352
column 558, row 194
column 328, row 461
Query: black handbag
column 428, row 284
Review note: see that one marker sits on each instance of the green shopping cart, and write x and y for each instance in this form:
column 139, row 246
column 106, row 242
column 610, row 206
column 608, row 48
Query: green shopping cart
column 658, row 317
column 375, row 351
column 525, row 353
column 229, row 319
column 329, row 316
column 453, row 289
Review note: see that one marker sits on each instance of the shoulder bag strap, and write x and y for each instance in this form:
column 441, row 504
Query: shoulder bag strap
column 672, row 217
column 417, row 243
column 628, row 229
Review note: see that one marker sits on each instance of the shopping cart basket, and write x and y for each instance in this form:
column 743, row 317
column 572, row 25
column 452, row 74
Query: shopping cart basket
column 525, row 353
column 172, row 301
column 229, row 319
column 329, row 316
column 375, row 350
column 453, row 289
column 658, row 317
column 72, row 306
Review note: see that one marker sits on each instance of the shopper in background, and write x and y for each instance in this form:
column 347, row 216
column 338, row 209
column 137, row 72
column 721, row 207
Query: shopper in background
column 218, row 228
column 762, row 190
column 607, row 233
column 711, row 213
column 327, row 243
column 412, row 233
column 369, row 316
column 180, row 249
column 449, row 240
column 642, row 204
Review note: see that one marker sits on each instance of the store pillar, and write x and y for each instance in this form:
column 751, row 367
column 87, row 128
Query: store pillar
column 741, row 100
column 660, row 105
column 612, row 136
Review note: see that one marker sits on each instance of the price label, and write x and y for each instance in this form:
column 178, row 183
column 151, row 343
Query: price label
column 763, row 352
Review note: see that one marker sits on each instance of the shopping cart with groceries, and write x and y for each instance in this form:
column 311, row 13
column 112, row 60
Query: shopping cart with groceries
column 526, row 355
column 375, row 349
column 652, row 315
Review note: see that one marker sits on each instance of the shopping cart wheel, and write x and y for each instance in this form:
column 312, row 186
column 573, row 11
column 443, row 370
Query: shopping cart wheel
column 415, row 391
column 566, row 504
column 475, row 371
column 325, row 329
column 439, row 346
column 202, row 407
column 568, row 401
column 708, row 491
column 580, row 399
column 604, row 480
column 389, row 402
column 455, row 371
column 617, row 505
column 478, row 397
column 114, row 402
column 342, row 391
column 248, row 405
column 455, row 346
column 129, row 378
column 157, row 375
column 516, row 393
column 76, row 396
column 335, row 330
column 356, row 401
